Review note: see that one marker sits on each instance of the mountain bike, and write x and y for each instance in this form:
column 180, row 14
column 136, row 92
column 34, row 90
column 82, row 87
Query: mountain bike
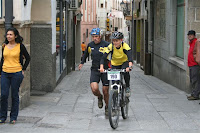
column 117, row 96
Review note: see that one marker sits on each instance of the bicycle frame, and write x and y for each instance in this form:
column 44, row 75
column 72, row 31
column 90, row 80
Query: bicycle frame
column 116, row 96
column 117, row 85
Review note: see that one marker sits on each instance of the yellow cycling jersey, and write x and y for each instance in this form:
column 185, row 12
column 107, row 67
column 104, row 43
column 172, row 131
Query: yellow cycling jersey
column 118, row 55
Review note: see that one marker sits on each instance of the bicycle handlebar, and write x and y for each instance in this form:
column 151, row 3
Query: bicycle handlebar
column 110, row 69
column 121, row 70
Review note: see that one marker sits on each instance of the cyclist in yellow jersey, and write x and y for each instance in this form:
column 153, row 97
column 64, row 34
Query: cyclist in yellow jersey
column 121, row 57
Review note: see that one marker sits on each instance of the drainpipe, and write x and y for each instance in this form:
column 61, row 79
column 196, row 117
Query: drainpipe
column 61, row 36
column 8, row 23
column 8, row 13
column 132, row 34
column 66, row 31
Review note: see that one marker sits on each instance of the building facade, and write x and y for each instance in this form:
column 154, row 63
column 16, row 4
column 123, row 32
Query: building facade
column 89, row 19
column 110, row 18
column 118, row 21
column 172, row 21
column 162, row 37
column 36, row 21
column 103, row 21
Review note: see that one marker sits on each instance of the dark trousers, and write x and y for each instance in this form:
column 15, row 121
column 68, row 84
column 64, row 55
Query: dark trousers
column 126, row 74
column 13, row 81
column 195, row 80
column 82, row 55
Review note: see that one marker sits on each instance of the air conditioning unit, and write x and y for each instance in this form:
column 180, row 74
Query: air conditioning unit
column 74, row 4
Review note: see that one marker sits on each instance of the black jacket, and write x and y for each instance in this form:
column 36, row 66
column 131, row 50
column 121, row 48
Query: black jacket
column 23, row 54
column 96, row 51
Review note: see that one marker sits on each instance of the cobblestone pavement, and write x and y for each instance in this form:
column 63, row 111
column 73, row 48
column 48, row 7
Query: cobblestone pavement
column 155, row 107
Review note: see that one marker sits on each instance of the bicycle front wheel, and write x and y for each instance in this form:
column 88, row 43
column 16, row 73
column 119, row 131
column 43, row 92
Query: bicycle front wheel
column 124, row 104
column 113, row 109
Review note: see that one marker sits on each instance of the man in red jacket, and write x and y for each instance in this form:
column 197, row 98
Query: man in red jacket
column 193, row 67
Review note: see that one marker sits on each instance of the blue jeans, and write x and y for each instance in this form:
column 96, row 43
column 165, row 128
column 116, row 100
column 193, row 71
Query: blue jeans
column 14, row 81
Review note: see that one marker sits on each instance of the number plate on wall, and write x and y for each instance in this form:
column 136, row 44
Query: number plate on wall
column 113, row 75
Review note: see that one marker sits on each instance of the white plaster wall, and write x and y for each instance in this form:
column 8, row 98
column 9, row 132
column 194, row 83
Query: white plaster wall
column 41, row 11
column 102, row 13
column 53, row 21
column 26, row 10
column 17, row 9
column 21, row 12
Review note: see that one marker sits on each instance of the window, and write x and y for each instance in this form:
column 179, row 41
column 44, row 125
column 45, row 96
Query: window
column 86, row 14
column 180, row 24
column 117, row 5
column 92, row 13
column 86, row 33
column 101, row 5
column 85, row 4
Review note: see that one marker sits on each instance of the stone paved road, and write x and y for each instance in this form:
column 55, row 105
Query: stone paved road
column 155, row 107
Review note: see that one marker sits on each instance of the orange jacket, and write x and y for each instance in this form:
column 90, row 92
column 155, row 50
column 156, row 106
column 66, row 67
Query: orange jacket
column 83, row 47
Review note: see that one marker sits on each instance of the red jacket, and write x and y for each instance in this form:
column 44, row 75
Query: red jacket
column 191, row 61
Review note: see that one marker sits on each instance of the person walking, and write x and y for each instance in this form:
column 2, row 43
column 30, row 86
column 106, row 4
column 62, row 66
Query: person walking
column 194, row 68
column 12, row 69
column 96, row 48
column 83, row 48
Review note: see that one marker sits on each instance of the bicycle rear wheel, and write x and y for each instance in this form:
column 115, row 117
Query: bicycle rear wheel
column 113, row 109
column 124, row 104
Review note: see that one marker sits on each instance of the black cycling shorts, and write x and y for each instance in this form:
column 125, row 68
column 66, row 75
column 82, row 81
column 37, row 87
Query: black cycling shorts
column 95, row 76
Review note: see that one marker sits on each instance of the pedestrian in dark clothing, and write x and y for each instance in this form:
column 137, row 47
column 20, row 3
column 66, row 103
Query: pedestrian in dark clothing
column 12, row 71
column 97, row 48
column 194, row 67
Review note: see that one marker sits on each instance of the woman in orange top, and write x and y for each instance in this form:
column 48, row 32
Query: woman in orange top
column 12, row 71
column 83, row 48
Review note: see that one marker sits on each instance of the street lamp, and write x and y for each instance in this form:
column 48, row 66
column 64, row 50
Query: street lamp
column 125, row 8
column 25, row 2
column 122, row 4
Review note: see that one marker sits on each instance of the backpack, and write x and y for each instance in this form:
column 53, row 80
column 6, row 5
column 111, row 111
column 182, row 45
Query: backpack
column 111, row 53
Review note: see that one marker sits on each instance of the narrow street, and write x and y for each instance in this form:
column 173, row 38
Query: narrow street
column 155, row 107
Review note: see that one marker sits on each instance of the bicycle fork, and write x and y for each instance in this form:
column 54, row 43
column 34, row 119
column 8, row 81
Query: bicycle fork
column 117, row 87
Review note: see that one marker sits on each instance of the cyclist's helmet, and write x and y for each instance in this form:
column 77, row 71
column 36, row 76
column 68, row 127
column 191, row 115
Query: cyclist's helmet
column 117, row 35
column 95, row 31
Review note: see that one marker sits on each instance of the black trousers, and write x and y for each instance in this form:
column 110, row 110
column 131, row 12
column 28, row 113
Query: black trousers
column 195, row 80
column 126, row 74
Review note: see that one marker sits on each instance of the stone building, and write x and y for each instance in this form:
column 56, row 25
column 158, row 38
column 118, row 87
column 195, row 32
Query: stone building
column 110, row 18
column 89, row 19
column 38, row 23
column 169, row 44
column 164, row 37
